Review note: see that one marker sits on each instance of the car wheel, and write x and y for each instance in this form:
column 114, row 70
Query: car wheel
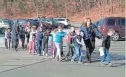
column 116, row 36
column 3, row 30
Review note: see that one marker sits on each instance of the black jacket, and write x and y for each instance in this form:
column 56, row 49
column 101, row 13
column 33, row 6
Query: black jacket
column 106, row 42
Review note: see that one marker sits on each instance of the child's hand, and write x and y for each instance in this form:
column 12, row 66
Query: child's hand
column 111, row 32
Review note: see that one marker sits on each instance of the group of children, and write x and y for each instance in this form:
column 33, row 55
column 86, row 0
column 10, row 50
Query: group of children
column 37, row 42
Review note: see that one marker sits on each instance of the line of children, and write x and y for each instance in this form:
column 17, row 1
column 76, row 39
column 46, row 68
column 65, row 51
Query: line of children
column 38, row 41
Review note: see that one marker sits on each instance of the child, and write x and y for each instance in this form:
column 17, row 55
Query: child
column 53, row 46
column 106, row 45
column 32, row 41
column 8, row 38
column 39, row 41
column 45, row 42
column 16, row 41
column 22, row 36
column 78, row 46
column 58, row 41
column 70, row 40
column 5, row 39
column 27, row 35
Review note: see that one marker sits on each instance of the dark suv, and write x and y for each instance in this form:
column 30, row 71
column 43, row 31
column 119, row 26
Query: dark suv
column 116, row 23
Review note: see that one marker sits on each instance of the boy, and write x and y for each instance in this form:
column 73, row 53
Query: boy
column 70, row 44
column 78, row 46
column 8, row 38
column 45, row 42
column 5, row 39
column 39, row 41
column 22, row 36
column 106, row 45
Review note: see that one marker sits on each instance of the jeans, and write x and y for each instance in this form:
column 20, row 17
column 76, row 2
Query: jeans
column 39, row 46
column 78, row 53
column 70, row 50
column 58, row 47
column 45, row 46
column 23, row 42
column 6, row 44
column 106, row 56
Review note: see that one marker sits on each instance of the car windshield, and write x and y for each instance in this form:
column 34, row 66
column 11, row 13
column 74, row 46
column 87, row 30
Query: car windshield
column 22, row 21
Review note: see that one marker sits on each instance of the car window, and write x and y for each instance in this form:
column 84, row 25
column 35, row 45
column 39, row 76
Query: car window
column 6, row 22
column 121, row 22
column 60, row 19
column 111, row 22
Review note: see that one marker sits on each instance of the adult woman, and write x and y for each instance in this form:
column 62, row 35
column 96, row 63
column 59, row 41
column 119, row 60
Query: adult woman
column 90, row 31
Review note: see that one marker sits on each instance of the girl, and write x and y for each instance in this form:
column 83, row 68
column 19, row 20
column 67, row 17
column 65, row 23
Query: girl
column 59, row 41
column 32, row 41
column 53, row 46
column 28, row 29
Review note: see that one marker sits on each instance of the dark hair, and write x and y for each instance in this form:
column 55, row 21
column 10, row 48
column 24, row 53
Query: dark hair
column 61, row 25
column 85, row 23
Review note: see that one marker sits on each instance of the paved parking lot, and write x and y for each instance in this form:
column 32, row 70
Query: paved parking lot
column 21, row 64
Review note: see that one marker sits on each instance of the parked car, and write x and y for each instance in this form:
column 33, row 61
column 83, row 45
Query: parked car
column 24, row 22
column 46, row 20
column 64, row 21
column 116, row 23
column 4, row 24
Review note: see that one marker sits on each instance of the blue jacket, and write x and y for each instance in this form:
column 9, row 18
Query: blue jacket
column 59, row 36
column 40, row 35
column 90, row 33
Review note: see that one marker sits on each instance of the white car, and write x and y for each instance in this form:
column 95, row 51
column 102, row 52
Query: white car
column 4, row 24
column 64, row 21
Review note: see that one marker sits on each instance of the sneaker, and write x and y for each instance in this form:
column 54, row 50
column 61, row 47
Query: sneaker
column 72, row 60
column 43, row 53
column 39, row 54
column 80, row 62
column 102, row 63
column 46, row 54
column 110, row 64
column 16, row 49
